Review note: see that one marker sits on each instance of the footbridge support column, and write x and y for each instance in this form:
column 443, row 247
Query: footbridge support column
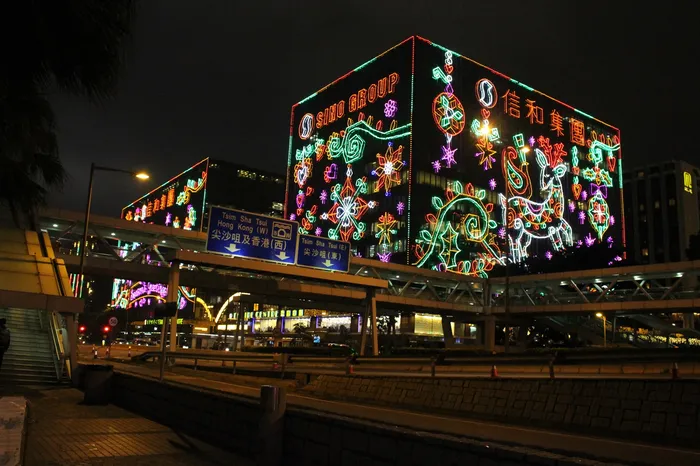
column 173, row 286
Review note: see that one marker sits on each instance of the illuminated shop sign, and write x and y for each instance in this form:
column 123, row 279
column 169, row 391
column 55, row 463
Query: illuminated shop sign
column 178, row 203
column 127, row 294
column 687, row 182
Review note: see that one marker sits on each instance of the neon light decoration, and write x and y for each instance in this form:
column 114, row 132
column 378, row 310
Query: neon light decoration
column 351, row 146
column 448, row 113
column 304, row 167
column 538, row 192
column 348, row 209
column 388, row 169
column 448, row 244
column 390, row 108
column 486, row 93
column 127, row 294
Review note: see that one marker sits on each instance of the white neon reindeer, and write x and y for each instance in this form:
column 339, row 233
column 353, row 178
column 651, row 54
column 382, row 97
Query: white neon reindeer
column 539, row 220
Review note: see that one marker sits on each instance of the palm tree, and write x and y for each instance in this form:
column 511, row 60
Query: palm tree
column 74, row 47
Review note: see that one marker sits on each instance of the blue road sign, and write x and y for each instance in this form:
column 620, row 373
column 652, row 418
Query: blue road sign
column 254, row 236
column 323, row 253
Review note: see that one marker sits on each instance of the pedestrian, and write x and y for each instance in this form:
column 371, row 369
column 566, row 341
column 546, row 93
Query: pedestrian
column 4, row 339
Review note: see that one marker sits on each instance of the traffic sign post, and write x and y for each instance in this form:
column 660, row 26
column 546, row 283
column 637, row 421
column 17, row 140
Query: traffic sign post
column 323, row 253
column 253, row 236
column 113, row 321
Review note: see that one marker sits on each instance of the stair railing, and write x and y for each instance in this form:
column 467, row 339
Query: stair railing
column 56, row 330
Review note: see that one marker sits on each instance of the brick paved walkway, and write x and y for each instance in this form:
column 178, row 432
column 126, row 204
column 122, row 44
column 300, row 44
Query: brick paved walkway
column 62, row 431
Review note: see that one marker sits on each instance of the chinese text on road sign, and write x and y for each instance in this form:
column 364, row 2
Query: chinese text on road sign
column 323, row 253
column 253, row 236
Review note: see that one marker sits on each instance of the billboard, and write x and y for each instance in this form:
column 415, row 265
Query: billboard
column 128, row 294
column 177, row 203
column 459, row 169
column 348, row 162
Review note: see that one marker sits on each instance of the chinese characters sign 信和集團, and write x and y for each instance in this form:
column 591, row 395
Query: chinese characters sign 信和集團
column 324, row 253
column 252, row 236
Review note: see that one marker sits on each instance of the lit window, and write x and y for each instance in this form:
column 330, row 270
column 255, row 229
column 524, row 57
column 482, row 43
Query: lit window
column 640, row 174
column 687, row 182
column 645, row 252
column 657, row 205
column 641, row 207
column 672, row 202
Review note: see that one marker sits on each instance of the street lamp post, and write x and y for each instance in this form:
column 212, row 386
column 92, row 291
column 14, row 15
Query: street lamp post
column 605, row 329
column 86, row 221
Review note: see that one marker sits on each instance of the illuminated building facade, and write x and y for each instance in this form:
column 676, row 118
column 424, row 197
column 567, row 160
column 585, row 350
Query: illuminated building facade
column 184, row 200
column 422, row 156
column 662, row 210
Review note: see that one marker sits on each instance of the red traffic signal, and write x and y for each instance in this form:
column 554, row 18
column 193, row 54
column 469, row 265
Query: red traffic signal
column 106, row 328
column 82, row 329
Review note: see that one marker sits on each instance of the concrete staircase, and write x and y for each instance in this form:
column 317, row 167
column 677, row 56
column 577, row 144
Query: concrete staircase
column 31, row 357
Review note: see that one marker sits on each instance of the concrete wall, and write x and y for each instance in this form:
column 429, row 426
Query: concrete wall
column 311, row 438
column 664, row 410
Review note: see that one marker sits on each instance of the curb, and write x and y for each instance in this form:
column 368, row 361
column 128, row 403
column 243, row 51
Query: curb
column 13, row 429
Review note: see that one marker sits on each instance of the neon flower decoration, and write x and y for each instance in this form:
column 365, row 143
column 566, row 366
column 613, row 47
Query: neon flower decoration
column 389, row 166
column 400, row 206
column 390, row 108
column 599, row 215
column 492, row 184
column 502, row 233
column 441, row 245
column 348, row 209
column 448, row 114
column 582, row 217
column 610, row 241
column 572, row 206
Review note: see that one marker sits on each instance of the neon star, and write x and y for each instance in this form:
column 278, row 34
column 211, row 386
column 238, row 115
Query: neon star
column 448, row 156
column 450, row 250
column 485, row 153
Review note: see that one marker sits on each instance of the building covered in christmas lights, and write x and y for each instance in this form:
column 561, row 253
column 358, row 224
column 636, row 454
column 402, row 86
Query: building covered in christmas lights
column 422, row 156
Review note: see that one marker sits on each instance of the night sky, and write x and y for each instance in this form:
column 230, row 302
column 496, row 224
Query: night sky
column 218, row 77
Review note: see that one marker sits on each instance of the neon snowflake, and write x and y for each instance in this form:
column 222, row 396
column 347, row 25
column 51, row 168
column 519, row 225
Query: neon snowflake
column 400, row 206
column 590, row 241
column 390, row 164
column 318, row 231
column 448, row 156
column 348, row 209
column 437, row 166
column 323, row 196
column 582, row 217
column 548, row 255
column 492, row 184
column 384, row 257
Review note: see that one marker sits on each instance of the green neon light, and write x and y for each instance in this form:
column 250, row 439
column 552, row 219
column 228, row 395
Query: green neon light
column 585, row 114
column 445, row 49
column 351, row 147
column 523, row 85
column 308, row 98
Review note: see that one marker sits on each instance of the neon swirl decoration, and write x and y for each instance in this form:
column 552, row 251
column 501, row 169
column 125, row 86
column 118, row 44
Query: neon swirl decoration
column 351, row 146
column 438, row 246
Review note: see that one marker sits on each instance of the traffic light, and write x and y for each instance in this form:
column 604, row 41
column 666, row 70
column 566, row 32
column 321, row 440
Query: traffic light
column 82, row 329
column 106, row 328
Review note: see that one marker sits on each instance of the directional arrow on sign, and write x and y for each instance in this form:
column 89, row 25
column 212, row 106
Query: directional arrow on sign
column 328, row 263
column 282, row 256
column 232, row 248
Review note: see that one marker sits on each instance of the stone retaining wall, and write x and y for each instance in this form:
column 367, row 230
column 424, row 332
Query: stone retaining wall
column 665, row 410
column 309, row 437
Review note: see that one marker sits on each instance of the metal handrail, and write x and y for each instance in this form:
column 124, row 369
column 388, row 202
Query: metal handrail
column 60, row 362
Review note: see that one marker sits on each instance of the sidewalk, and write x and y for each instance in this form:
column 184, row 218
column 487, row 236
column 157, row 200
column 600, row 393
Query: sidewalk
column 63, row 431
